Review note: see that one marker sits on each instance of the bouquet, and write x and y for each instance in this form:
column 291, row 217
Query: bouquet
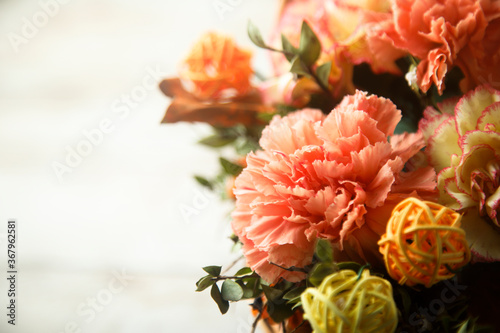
column 364, row 169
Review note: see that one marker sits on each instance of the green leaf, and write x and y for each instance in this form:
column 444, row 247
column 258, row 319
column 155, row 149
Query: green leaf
column 255, row 35
column 213, row 270
column 279, row 310
column 271, row 293
column 349, row 265
column 324, row 250
column 463, row 327
column 298, row 67
column 203, row 181
column 320, row 272
column 252, row 288
column 293, row 296
column 244, row 271
column 406, row 125
column 204, row 283
column 217, row 297
column 265, row 116
column 216, row 141
column 229, row 167
column 309, row 47
column 231, row 291
column 290, row 50
column 323, row 73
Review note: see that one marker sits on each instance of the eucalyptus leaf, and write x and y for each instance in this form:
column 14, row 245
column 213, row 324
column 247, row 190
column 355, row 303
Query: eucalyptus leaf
column 244, row 271
column 271, row 293
column 320, row 272
column 213, row 270
column 279, row 311
column 229, row 167
column 324, row 250
column 216, row 141
column 323, row 73
column 231, row 291
column 217, row 297
column 204, row 283
column 255, row 35
column 203, row 181
column 296, row 292
column 349, row 265
column 290, row 50
column 310, row 46
column 298, row 67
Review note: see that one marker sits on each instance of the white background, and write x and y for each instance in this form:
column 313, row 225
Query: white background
column 120, row 208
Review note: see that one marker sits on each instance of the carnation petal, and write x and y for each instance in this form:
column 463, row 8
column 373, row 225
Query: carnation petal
column 469, row 108
column 443, row 144
column 490, row 118
column 382, row 110
column 483, row 239
column 406, row 145
column 292, row 132
column 431, row 121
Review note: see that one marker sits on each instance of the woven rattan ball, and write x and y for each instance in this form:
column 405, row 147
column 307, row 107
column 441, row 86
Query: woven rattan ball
column 216, row 68
column 346, row 302
column 423, row 243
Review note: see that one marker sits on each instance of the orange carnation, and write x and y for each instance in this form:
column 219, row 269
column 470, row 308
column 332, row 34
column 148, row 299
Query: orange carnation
column 216, row 68
column 443, row 34
column 335, row 177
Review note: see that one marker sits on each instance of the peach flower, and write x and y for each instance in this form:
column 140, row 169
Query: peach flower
column 464, row 147
column 216, row 68
column 350, row 32
column 336, row 177
column 443, row 34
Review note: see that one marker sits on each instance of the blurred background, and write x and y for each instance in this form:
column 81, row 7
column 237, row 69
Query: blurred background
column 102, row 244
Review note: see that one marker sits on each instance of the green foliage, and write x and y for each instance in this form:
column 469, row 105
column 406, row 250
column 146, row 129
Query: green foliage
column 324, row 251
column 255, row 35
column 216, row 141
column 289, row 50
column 231, row 291
column 323, row 72
column 217, row 297
column 321, row 271
column 310, row 47
column 204, row 182
column 229, row 167
column 298, row 66
column 213, row 270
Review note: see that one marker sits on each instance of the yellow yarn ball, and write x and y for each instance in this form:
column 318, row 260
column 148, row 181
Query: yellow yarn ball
column 423, row 243
column 345, row 303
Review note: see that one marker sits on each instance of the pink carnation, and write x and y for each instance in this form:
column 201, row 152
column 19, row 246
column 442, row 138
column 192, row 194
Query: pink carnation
column 443, row 34
column 335, row 177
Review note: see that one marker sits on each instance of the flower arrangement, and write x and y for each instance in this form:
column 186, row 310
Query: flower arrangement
column 366, row 168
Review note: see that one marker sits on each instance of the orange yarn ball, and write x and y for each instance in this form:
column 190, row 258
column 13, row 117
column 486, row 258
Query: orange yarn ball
column 216, row 68
column 423, row 243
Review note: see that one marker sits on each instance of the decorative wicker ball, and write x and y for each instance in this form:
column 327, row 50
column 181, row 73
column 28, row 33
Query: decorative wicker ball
column 423, row 243
column 346, row 302
column 216, row 68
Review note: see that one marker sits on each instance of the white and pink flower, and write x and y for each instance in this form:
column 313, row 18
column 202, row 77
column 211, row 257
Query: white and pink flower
column 463, row 144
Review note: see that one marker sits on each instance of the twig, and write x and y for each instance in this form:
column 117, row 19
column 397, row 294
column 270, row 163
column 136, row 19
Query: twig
column 232, row 264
